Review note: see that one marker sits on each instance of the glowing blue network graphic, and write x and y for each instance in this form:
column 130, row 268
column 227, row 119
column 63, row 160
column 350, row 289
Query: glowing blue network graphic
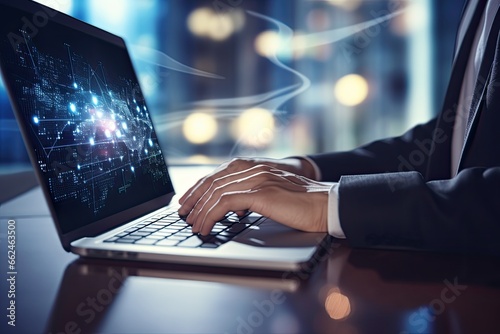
column 94, row 131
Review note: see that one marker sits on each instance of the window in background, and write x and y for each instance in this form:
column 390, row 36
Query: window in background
column 226, row 78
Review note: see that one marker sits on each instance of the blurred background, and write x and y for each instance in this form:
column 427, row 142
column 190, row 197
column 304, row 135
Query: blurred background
column 276, row 78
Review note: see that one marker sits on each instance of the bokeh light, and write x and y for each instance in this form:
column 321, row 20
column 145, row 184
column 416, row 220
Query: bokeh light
column 269, row 43
column 255, row 127
column 65, row 6
column 351, row 90
column 220, row 27
column 198, row 19
column 109, row 13
column 414, row 18
column 337, row 305
column 346, row 4
column 205, row 22
column 200, row 159
column 199, row 128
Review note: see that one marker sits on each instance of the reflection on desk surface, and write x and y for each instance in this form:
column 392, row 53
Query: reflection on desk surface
column 16, row 183
column 88, row 269
column 412, row 292
column 352, row 291
column 90, row 288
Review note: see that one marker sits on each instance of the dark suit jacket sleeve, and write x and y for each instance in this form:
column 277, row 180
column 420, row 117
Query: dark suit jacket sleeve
column 409, row 152
column 383, row 205
column 403, row 211
column 399, row 193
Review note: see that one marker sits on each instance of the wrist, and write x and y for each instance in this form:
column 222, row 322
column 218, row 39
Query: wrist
column 298, row 166
column 305, row 167
column 308, row 169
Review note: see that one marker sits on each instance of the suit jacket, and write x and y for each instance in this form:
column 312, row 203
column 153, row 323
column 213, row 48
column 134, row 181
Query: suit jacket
column 399, row 192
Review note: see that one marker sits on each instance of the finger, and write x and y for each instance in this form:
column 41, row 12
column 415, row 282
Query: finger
column 300, row 210
column 190, row 198
column 248, row 179
column 241, row 213
column 222, row 181
column 194, row 193
column 234, row 165
column 235, row 200
column 254, row 181
column 239, row 201
column 186, row 194
column 197, row 184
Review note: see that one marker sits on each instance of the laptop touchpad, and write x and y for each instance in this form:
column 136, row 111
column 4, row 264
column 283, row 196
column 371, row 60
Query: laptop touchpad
column 272, row 234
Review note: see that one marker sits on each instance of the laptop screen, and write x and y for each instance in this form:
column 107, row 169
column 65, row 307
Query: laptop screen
column 83, row 115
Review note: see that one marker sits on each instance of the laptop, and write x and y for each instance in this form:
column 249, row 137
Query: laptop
column 93, row 145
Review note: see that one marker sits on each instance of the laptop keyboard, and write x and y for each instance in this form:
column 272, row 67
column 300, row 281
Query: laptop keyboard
column 168, row 229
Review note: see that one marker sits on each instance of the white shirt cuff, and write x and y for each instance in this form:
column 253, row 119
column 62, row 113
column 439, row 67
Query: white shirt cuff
column 334, row 227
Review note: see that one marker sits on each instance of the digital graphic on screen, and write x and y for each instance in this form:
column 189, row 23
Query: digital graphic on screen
column 86, row 118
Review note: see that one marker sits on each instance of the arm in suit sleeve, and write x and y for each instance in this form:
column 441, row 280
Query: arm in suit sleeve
column 403, row 211
column 411, row 151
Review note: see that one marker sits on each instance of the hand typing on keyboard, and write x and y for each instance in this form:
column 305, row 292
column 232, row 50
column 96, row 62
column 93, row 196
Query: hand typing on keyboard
column 167, row 229
column 278, row 189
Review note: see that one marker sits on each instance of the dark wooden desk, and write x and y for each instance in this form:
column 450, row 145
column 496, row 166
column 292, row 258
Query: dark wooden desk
column 350, row 291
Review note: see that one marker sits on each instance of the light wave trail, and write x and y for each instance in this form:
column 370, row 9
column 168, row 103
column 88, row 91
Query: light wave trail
column 286, row 36
column 161, row 59
column 233, row 107
column 243, row 100
column 306, row 41
column 335, row 35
